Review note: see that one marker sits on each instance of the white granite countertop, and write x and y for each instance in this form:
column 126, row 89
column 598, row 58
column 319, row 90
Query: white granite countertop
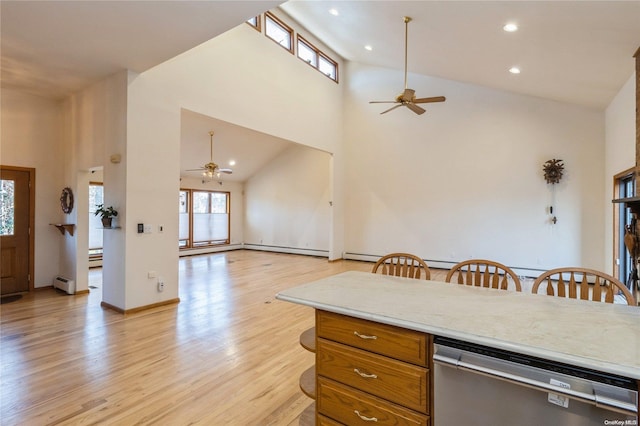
column 600, row 336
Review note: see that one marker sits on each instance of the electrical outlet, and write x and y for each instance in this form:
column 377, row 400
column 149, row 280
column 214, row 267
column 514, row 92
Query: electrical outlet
column 160, row 284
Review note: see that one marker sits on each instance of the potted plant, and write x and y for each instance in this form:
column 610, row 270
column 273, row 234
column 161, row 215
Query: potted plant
column 106, row 214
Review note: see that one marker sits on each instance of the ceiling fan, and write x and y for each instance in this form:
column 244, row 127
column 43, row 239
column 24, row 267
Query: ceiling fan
column 408, row 98
column 211, row 169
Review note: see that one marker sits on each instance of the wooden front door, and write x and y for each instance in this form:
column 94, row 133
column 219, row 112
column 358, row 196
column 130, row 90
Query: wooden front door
column 16, row 210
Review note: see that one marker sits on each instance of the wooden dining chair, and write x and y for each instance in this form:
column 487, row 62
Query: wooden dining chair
column 402, row 265
column 582, row 283
column 483, row 273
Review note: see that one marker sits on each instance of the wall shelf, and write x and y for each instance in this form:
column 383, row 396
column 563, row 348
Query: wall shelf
column 628, row 200
column 62, row 227
column 632, row 202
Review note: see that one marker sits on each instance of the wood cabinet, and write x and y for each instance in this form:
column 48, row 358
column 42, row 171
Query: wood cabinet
column 367, row 372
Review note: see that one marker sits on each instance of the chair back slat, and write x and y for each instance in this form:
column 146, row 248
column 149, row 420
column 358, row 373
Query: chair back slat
column 584, row 288
column 550, row 290
column 608, row 296
column 573, row 293
column 483, row 273
column 488, row 277
column 477, row 278
column 469, row 279
column 495, row 280
column 504, row 283
column 583, row 284
column 597, row 289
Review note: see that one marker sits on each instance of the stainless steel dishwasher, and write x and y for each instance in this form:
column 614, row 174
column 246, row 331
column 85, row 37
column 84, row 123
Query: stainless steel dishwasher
column 481, row 386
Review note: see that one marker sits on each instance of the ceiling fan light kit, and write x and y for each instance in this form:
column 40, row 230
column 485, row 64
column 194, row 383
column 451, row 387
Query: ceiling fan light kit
column 211, row 170
column 408, row 97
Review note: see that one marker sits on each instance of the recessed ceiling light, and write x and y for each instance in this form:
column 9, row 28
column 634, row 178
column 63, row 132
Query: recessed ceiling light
column 232, row 162
column 334, row 12
column 368, row 47
column 514, row 70
column 510, row 27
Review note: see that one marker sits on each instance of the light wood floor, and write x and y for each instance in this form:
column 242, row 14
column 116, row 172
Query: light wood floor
column 228, row 354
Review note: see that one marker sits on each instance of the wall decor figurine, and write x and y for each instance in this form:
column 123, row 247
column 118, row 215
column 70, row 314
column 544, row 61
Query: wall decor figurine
column 553, row 170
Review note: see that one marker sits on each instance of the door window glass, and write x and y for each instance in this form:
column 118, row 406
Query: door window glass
column 7, row 207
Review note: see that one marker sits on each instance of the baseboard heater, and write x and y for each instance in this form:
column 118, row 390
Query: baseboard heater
column 64, row 284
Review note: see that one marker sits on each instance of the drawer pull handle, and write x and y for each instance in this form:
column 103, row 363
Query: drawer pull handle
column 364, row 336
column 366, row 419
column 365, row 375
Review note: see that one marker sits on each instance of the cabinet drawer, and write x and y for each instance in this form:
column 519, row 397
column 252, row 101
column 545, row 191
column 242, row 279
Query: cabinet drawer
column 352, row 407
column 396, row 381
column 394, row 342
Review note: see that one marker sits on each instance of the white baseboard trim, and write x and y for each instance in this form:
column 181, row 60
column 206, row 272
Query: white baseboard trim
column 290, row 250
column 215, row 249
column 438, row 264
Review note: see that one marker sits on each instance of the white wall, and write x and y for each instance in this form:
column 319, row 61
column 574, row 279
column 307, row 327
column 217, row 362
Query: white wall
column 246, row 79
column 241, row 77
column 94, row 127
column 465, row 179
column 31, row 137
column 287, row 203
column 151, row 188
column 620, row 153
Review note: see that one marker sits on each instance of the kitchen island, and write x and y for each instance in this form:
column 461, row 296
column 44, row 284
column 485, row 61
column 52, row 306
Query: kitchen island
column 597, row 336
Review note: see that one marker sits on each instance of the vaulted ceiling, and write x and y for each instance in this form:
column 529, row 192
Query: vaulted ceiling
column 578, row 52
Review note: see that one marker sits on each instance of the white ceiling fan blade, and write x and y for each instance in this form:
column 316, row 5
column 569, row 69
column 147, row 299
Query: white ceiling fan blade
column 195, row 170
column 227, row 171
column 383, row 102
column 415, row 108
column 392, row 108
